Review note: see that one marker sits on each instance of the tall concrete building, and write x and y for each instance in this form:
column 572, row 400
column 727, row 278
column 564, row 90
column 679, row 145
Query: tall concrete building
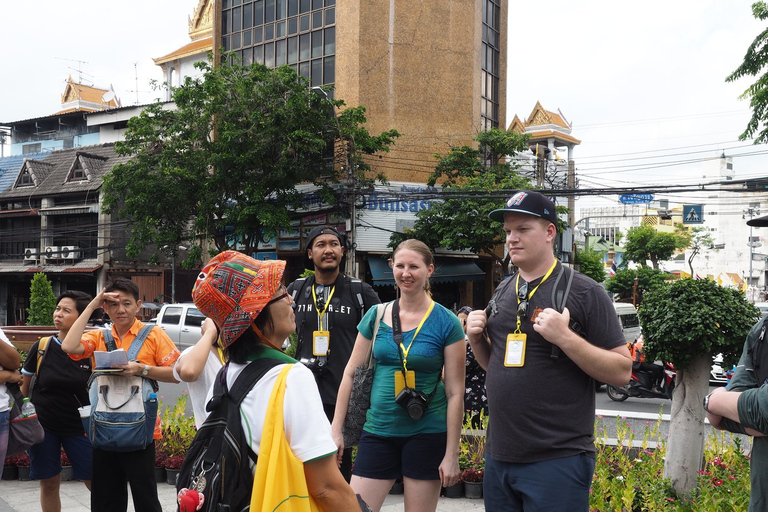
column 434, row 70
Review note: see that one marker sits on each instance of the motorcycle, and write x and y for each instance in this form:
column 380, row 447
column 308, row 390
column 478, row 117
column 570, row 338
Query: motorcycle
column 641, row 384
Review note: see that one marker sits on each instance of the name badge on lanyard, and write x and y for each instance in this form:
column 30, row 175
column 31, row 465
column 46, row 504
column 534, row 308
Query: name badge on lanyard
column 514, row 357
column 320, row 342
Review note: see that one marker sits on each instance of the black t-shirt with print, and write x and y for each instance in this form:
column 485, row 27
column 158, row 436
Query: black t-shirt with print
column 343, row 317
column 60, row 389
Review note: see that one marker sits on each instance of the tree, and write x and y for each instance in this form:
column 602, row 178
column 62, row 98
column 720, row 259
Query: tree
column 645, row 243
column 470, row 192
column 623, row 283
column 754, row 64
column 591, row 264
column 685, row 322
column 42, row 301
column 225, row 162
column 700, row 239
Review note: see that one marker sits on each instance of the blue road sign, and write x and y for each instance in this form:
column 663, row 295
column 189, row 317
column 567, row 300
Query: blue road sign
column 692, row 214
column 636, row 198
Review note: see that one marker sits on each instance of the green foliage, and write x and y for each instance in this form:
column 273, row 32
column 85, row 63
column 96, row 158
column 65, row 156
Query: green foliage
column 460, row 221
column 754, row 64
column 700, row 239
column 630, row 479
column 178, row 432
column 688, row 317
column 623, row 282
column 645, row 243
column 591, row 264
column 224, row 163
column 42, row 301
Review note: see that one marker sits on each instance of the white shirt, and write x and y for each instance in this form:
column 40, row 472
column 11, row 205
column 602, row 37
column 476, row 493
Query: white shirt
column 198, row 390
column 306, row 427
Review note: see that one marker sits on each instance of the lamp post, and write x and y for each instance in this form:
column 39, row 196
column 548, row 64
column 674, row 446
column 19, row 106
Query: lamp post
column 173, row 269
column 350, row 175
column 752, row 211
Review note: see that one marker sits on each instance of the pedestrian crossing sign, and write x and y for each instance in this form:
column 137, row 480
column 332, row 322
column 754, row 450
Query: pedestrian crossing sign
column 692, row 214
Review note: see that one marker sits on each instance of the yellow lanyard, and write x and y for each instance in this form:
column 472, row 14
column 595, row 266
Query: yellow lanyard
column 530, row 295
column 321, row 314
column 406, row 350
column 220, row 353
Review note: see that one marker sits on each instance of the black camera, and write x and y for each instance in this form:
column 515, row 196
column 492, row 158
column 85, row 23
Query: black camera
column 318, row 364
column 415, row 402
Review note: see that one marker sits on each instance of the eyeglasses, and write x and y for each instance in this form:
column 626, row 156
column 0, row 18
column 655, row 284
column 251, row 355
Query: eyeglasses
column 283, row 296
column 522, row 300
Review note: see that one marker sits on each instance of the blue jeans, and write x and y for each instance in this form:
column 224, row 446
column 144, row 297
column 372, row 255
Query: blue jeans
column 557, row 485
column 5, row 424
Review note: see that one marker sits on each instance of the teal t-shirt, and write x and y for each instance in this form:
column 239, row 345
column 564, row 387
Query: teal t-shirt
column 425, row 357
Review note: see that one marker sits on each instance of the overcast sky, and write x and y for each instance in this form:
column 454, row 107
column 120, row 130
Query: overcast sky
column 637, row 80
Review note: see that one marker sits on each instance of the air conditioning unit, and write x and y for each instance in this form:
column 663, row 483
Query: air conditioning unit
column 52, row 253
column 30, row 254
column 70, row 252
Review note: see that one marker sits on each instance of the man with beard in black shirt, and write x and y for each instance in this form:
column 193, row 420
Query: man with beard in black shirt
column 328, row 307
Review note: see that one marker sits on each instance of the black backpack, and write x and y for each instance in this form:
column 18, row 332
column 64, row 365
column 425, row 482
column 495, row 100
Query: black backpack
column 217, row 463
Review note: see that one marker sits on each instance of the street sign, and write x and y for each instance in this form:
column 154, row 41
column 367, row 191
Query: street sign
column 636, row 198
column 692, row 214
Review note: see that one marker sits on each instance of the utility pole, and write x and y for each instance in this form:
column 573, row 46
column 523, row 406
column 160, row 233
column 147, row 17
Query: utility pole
column 350, row 193
column 752, row 211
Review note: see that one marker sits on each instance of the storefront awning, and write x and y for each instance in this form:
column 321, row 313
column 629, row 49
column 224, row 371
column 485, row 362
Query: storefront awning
column 446, row 271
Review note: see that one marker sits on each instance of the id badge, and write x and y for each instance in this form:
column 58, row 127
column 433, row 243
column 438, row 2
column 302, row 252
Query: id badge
column 400, row 385
column 320, row 343
column 515, row 354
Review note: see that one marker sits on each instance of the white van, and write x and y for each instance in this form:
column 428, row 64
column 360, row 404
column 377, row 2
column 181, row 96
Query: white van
column 630, row 324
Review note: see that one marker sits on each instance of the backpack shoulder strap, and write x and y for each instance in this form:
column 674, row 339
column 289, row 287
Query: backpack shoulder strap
column 357, row 290
column 41, row 350
column 758, row 353
column 138, row 342
column 248, row 378
column 297, row 287
column 109, row 341
column 492, row 307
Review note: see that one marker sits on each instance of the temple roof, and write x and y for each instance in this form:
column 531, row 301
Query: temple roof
column 87, row 98
column 200, row 34
column 543, row 124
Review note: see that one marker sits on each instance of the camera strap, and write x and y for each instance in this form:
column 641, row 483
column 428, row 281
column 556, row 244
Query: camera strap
column 397, row 337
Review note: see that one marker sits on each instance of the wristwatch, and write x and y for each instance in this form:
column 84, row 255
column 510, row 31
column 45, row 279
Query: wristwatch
column 145, row 371
column 706, row 402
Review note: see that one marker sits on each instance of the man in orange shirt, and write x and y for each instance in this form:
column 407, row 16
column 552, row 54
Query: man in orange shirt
column 113, row 470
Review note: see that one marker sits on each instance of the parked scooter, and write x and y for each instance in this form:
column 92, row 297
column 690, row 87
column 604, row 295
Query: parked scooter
column 641, row 385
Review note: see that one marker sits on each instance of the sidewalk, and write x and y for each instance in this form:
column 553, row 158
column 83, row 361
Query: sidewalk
column 24, row 496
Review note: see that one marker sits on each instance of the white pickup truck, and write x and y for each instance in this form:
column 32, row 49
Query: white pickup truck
column 181, row 322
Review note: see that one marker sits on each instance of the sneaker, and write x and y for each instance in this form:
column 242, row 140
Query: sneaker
column 658, row 390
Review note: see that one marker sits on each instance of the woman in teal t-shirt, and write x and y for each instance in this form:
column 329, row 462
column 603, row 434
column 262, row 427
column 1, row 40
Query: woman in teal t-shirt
column 413, row 425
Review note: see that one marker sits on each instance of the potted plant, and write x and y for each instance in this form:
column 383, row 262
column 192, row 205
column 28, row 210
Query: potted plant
column 473, row 482
column 22, row 463
column 178, row 431
column 473, row 448
column 160, row 460
column 10, row 470
column 67, row 473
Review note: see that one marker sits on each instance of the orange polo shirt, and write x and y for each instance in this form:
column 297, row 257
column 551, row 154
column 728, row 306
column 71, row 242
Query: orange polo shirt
column 158, row 349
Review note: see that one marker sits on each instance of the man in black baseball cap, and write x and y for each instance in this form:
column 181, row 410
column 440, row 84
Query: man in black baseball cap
column 328, row 307
column 530, row 202
column 540, row 370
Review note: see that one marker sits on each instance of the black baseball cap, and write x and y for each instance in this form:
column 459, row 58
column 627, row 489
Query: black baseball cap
column 323, row 230
column 529, row 202
column 759, row 222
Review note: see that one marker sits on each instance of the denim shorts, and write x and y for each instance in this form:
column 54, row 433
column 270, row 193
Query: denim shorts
column 45, row 457
column 385, row 458
column 5, row 424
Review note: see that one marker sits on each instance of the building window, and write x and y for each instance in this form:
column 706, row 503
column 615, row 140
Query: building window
column 27, row 149
column 489, row 102
column 296, row 33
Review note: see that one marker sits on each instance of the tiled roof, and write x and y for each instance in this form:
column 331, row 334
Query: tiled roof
column 195, row 47
column 71, row 267
column 11, row 165
column 96, row 160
